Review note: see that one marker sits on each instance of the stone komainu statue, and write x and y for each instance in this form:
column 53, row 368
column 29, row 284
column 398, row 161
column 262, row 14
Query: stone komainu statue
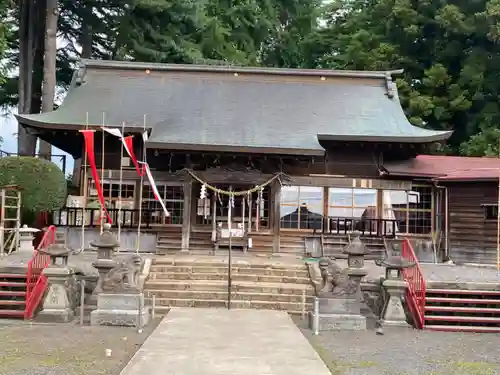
column 124, row 277
column 336, row 282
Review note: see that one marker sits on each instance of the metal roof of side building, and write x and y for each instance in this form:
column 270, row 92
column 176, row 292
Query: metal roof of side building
column 447, row 168
column 227, row 108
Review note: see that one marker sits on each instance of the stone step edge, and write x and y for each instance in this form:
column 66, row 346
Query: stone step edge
column 155, row 273
column 222, row 301
column 223, row 293
column 160, row 310
column 223, row 264
column 257, row 284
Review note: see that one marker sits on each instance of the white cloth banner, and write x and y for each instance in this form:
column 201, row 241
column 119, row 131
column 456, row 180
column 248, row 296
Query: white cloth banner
column 155, row 189
column 118, row 133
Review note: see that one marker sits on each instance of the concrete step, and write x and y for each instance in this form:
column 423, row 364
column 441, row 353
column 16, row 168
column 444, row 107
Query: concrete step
column 460, row 309
column 236, row 270
column 462, row 319
column 462, row 301
column 166, row 303
column 237, row 262
column 477, row 329
column 222, row 296
column 223, row 276
column 221, row 286
column 467, row 292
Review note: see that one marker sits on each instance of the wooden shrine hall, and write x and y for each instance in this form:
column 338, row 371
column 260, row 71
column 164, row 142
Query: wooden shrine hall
column 311, row 150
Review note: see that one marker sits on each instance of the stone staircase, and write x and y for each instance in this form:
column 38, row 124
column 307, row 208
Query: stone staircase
column 169, row 240
column 203, row 283
column 462, row 310
column 12, row 295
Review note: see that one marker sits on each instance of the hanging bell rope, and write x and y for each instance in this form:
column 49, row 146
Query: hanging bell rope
column 278, row 177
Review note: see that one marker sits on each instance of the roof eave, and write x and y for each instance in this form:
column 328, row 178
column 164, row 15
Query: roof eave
column 239, row 149
column 62, row 126
column 466, row 179
column 387, row 139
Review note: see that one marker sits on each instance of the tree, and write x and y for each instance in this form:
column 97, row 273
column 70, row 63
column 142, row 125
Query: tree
column 42, row 182
column 49, row 66
column 449, row 51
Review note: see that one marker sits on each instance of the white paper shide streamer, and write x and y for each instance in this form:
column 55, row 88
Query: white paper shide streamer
column 118, row 133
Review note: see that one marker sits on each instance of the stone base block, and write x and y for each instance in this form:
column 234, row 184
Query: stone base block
column 126, row 318
column 339, row 305
column 120, row 309
column 55, row 316
column 339, row 322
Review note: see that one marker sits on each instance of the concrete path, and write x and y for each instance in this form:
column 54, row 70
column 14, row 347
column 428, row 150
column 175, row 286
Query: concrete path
column 192, row 341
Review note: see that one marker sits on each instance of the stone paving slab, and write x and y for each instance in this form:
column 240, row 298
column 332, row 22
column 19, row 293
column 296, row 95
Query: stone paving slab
column 226, row 342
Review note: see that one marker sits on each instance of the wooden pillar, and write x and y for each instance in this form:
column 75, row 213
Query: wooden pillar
column 276, row 207
column 326, row 198
column 186, row 215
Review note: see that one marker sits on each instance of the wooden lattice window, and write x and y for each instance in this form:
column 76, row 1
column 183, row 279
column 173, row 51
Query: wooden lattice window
column 173, row 198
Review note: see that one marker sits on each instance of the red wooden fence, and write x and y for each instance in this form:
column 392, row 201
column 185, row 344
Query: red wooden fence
column 415, row 294
column 36, row 281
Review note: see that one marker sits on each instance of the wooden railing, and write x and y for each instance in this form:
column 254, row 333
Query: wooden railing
column 36, row 281
column 367, row 226
column 415, row 293
column 125, row 218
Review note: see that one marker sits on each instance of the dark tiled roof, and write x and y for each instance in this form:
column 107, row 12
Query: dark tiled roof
column 447, row 168
column 216, row 107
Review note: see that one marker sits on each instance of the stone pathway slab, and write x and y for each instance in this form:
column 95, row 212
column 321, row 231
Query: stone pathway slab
column 226, row 342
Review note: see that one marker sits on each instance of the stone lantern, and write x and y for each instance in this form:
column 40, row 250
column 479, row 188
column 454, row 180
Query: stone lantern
column 59, row 302
column 393, row 313
column 106, row 244
column 356, row 251
column 26, row 236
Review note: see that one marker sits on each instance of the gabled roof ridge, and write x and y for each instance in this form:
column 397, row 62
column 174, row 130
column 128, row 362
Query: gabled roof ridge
column 133, row 65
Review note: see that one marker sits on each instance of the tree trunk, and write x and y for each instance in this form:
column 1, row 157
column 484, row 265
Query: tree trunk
column 86, row 43
column 38, row 56
column 26, row 141
column 49, row 68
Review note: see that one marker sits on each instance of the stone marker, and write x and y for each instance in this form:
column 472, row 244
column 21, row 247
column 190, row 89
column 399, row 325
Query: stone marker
column 58, row 305
column 120, row 302
column 393, row 313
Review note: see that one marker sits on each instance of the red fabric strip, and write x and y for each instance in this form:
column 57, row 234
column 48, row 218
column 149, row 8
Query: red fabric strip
column 88, row 136
column 129, row 142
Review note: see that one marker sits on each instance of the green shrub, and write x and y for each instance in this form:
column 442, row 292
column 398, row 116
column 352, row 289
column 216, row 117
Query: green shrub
column 43, row 184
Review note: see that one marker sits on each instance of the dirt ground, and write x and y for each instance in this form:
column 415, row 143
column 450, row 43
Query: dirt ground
column 405, row 351
column 67, row 349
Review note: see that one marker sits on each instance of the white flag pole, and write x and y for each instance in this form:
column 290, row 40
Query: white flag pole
column 84, row 183
column 141, row 188
column 120, row 198
column 101, row 218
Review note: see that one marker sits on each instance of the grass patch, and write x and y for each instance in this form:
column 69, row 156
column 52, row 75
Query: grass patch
column 338, row 367
column 475, row 368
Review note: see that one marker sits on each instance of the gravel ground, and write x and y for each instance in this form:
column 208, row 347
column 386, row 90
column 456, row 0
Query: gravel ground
column 403, row 351
column 67, row 349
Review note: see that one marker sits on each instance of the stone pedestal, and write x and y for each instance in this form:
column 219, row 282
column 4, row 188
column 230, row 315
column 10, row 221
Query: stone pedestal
column 120, row 309
column 339, row 313
column 58, row 303
column 394, row 314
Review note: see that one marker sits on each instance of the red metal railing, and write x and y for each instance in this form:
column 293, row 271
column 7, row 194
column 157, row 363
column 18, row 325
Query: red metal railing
column 415, row 294
column 36, row 281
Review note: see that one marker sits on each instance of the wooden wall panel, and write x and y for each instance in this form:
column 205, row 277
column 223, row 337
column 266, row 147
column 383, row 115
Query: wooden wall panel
column 472, row 238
